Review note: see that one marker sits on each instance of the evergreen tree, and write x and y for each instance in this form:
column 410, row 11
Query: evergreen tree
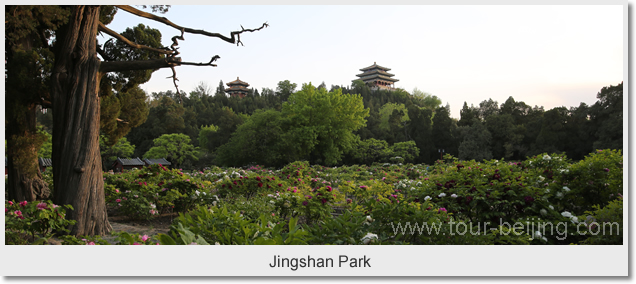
column 607, row 116
column 442, row 132
column 476, row 142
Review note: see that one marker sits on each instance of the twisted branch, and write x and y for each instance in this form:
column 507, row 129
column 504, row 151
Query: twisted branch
column 234, row 36
column 112, row 33
column 172, row 61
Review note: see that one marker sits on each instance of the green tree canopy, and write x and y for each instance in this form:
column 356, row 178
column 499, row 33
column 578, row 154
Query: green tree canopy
column 176, row 148
column 205, row 134
column 387, row 110
column 607, row 113
column 260, row 140
column 442, row 131
column 370, row 150
column 322, row 122
column 121, row 149
column 285, row 89
column 406, row 151
column 476, row 142
column 426, row 100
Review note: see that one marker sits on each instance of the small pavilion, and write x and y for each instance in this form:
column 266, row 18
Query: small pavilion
column 377, row 77
column 237, row 88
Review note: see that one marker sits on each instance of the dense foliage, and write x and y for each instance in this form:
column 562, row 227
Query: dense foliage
column 268, row 132
column 544, row 199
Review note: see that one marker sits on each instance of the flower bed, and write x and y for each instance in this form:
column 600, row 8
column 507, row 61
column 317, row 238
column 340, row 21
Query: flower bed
column 450, row 202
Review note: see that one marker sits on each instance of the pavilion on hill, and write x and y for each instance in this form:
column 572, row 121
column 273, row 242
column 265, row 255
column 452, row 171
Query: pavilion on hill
column 377, row 77
column 237, row 88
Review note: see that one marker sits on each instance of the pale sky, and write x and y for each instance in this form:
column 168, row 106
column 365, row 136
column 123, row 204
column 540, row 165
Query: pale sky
column 545, row 55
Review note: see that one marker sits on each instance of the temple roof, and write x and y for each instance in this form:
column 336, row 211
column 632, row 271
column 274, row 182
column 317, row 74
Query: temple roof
column 130, row 162
column 45, row 162
column 377, row 76
column 237, row 82
column 237, row 88
column 375, row 71
column 375, row 66
column 161, row 161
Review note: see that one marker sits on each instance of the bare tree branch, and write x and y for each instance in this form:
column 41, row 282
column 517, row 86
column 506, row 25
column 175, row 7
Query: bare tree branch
column 174, row 72
column 174, row 81
column 171, row 61
column 214, row 58
column 234, row 36
column 175, row 50
column 152, row 64
column 116, row 35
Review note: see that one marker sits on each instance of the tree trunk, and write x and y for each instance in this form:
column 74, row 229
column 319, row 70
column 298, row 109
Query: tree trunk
column 77, row 165
column 25, row 181
column 24, row 178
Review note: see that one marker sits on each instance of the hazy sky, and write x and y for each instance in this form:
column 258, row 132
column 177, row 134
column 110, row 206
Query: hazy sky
column 548, row 55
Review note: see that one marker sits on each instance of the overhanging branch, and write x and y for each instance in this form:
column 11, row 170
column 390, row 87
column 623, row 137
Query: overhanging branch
column 114, row 34
column 151, row 64
column 203, row 64
column 234, row 36
column 171, row 61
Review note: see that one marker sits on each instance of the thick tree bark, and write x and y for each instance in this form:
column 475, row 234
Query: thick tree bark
column 24, row 178
column 77, row 170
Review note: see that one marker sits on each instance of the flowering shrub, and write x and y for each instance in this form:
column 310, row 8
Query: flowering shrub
column 249, row 184
column 38, row 220
column 476, row 192
column 595, row 180
column 145, row 193
column 257, row 205
column 371, row 189
column 83, row 240
column 317, row 204
column 125, row 238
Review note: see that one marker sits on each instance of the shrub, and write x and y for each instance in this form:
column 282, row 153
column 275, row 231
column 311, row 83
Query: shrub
column 145, row 193
column 600, row 224
column 220, row 226
column 595, row 180
column 37, row 220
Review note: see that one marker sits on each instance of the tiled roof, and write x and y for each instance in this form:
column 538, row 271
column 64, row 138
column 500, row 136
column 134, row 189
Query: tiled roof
column 237, row 82
column 375, row 71
column 131, row 162
column 377, row 76
column 237, row 89
column 161, row 161
column 45, row 162
column 375, row 66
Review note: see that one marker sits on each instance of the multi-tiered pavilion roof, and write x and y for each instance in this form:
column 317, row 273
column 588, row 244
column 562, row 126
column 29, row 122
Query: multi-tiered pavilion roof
column 237, row 88
column 377, row 76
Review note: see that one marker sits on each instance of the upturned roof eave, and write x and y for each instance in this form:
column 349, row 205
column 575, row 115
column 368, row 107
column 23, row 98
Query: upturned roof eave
column 375, row 66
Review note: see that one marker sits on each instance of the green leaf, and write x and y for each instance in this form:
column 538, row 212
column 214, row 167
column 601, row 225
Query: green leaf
column 40, row 241
column 166, row 240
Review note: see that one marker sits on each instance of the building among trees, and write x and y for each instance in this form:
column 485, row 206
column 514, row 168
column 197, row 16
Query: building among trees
column 161, row 161
column 237, row 88
column 122, row 164
column 377, row 77
column 44, row 163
